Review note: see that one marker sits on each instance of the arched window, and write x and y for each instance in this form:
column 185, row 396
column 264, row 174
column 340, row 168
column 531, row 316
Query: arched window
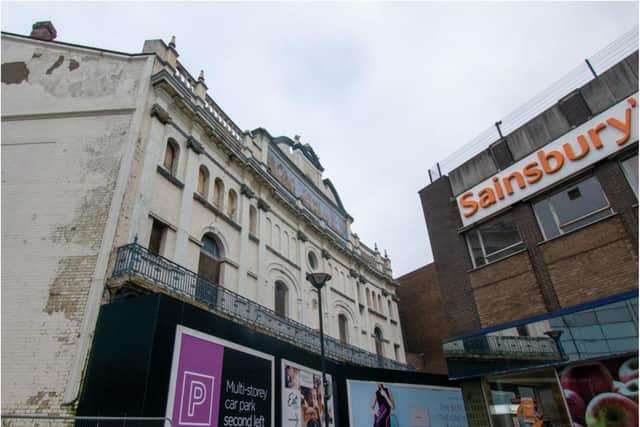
column 377, row 333
column 343, row 328
column 170, row 162
column 276, row 237
column 209, row 269
column 203, row 181
column 232, row 206
column 253, row 220
column 285, row 243
column 268, row 231
column 218, row 193
column 281, row 299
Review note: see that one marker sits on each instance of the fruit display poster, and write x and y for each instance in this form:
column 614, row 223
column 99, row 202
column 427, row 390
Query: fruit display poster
column 218, row 383
column 404, row 405
column 602, row 394
column 302, row 396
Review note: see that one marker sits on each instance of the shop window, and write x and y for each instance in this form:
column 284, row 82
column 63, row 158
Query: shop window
column 218, row 193
column 494, row 240
column 630, row 168
column 232, row 206
column 281, row 299
column 571, row 208
column 158, row 236
column 203, row 181
column 253, row 220
column 170, row 162
column 342, row 328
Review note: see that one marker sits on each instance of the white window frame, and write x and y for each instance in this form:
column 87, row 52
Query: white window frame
column 483, row 249
column 556, row 219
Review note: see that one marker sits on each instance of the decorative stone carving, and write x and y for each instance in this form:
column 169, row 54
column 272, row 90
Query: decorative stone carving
column 160, row 113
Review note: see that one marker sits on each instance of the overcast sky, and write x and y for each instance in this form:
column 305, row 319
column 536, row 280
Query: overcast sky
column 381, row 91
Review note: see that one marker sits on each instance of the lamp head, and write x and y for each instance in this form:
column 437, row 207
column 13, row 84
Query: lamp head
column 318, row 279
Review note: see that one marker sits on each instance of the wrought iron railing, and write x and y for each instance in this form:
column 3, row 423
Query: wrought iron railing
column 133, row 260
column 501, row 346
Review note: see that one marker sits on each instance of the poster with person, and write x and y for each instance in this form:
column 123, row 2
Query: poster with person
column 218, row 383
column 404, row 405
column 302, row 397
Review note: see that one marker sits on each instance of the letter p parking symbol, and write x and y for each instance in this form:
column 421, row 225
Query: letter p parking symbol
column 196, row 402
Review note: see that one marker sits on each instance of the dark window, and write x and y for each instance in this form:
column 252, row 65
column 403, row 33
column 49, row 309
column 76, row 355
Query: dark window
column 494, row 240
column 281, row 299
column 209, row 263
column 313, row 260
column 378, row 338
column 171, row 157
column 158, row 232
column 630, row 168
column 573, row 207
column 342, row 328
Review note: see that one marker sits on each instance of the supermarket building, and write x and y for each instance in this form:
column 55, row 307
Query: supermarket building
column 535, row 244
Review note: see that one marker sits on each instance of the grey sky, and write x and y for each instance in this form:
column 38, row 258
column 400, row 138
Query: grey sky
column 381, row 91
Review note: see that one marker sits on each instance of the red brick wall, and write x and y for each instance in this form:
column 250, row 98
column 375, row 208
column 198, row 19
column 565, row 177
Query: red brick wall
column 591, row 263
column 506, row 290
column 423, row 317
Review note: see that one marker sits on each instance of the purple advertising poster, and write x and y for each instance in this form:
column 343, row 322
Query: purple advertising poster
column 218, row 383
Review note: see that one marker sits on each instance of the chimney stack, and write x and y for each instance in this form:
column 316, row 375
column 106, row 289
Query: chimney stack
column 43, row 30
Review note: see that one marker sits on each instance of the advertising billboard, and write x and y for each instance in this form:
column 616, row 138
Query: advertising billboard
column 218, row 383
column 404, row 405
column 302, row 397
column 603, row 393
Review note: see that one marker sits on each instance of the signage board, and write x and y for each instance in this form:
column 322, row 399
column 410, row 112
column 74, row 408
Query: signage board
column 218, row 383
column 588, row 143
column 303, row 398
column 406, row 405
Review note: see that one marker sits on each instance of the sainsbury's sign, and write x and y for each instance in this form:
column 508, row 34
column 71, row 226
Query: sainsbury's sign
column 594, row 140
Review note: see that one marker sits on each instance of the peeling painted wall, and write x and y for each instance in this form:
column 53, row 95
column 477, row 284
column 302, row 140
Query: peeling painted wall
column 67, row 120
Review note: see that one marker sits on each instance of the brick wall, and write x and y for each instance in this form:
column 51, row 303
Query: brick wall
column 591, row 263
column 423, row 318
column 506, row 290
column 450, row 255
column 59, row 177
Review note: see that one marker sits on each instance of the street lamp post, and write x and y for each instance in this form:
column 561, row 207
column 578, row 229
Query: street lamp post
column 318, row 280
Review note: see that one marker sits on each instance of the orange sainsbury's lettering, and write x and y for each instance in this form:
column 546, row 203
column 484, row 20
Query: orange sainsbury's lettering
column 623, row 127
column 548, row 162
column 472, row 204
column 507, row 181
column 532, row 172
column 544, row 161
column 595, row 138
column 584, row 146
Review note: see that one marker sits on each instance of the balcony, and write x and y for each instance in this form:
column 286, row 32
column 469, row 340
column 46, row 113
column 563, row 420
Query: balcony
column 504, row 347
column 134, row 264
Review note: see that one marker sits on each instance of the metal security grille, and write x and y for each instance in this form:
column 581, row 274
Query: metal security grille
column 15, row 420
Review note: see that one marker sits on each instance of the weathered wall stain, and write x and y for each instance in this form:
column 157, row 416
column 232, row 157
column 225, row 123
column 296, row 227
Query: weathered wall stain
column 73, row 64
column 69, row 289
column 14, row 73
column 56, row 64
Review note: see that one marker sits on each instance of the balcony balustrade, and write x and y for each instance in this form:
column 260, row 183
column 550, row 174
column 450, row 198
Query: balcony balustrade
column 136, row 264
column 504, row 347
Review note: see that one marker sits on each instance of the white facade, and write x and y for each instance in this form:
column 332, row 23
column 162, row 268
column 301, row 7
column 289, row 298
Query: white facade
column 85, row 171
